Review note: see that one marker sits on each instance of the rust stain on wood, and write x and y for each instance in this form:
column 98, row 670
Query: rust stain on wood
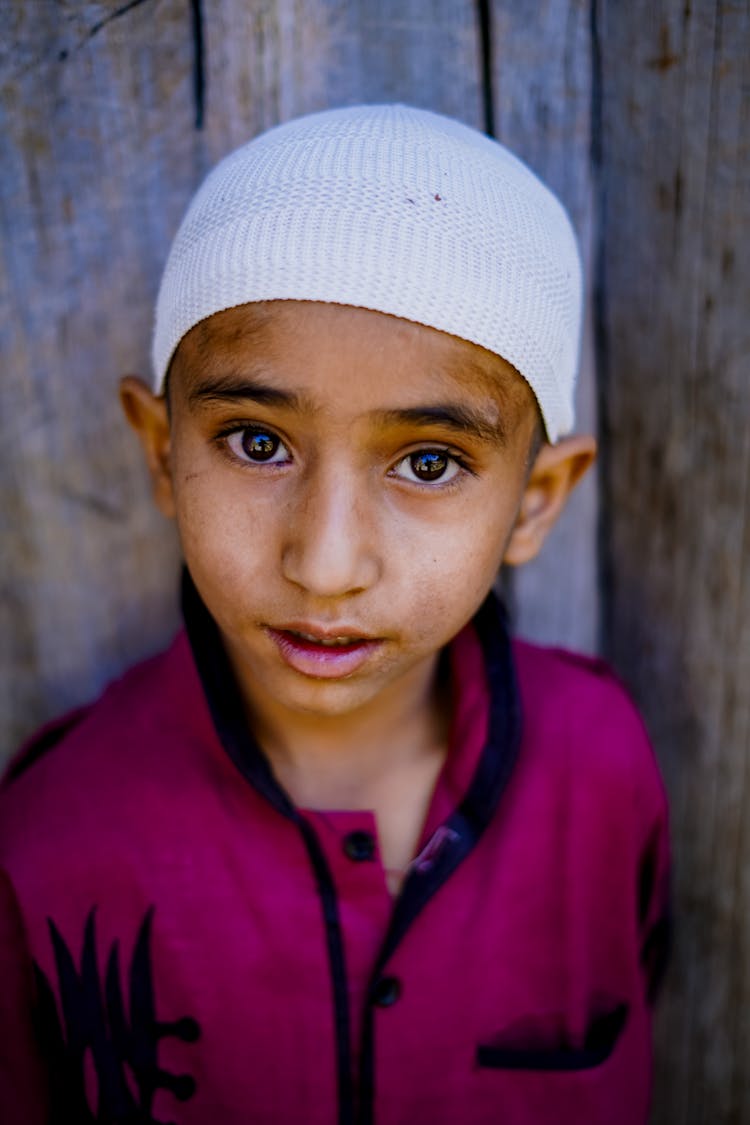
column 666, row 58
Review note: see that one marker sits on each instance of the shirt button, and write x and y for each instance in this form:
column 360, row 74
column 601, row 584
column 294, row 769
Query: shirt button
column 359, row 846
column 386, row 992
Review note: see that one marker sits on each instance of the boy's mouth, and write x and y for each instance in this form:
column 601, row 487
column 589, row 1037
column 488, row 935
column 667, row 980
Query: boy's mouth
column 325, row 655
column 328, row 642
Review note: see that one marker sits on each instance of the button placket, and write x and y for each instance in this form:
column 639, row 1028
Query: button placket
column 359, row 846
column 386, row 992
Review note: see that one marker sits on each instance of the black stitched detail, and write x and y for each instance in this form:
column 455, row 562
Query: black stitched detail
column 90, row 1016
column 466, row 824
column 225, row 704
column 334, row 940
column 599, row 1044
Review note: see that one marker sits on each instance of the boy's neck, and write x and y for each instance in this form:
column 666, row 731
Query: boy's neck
column 355, row 760
column 384, row 757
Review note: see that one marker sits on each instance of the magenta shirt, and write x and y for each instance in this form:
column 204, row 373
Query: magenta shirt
column 178, row 943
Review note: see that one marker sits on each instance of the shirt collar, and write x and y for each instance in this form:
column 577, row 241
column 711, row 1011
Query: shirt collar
column 485, row 726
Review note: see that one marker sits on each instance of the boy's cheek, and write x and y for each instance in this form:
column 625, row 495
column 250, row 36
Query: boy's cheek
column 191, row 487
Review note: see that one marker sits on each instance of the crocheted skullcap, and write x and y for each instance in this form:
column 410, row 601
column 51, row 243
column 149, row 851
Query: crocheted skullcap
column 394, row 209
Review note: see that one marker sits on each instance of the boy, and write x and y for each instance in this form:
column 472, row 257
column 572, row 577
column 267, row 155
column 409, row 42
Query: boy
column 344, row 853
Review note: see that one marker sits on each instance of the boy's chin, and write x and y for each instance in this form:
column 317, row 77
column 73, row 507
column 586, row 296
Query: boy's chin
column 344, row 698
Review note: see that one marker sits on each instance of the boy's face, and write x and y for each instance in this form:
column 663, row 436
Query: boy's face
column 342, row 476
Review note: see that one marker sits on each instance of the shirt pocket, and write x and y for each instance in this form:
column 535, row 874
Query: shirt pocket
column 532, row 1053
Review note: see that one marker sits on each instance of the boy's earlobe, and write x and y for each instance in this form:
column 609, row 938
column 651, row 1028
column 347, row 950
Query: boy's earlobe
column 554, row 475
column 147, row 414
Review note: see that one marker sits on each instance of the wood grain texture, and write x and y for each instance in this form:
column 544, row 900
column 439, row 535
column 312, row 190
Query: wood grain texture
column 676, row 182
column 541, row 77
column 96, row 137
column 273, row 59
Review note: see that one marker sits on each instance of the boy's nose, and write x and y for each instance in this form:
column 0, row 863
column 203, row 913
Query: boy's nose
column 330, row 541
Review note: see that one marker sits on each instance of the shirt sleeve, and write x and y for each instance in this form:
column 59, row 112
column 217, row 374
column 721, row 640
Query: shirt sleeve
column 654, row 892
column 23, row 1082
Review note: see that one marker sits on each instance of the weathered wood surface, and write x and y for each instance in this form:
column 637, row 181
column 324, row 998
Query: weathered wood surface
column 675, row 126
column 541, row 85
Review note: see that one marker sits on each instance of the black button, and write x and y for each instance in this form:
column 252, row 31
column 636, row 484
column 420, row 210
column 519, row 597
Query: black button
column 386, row 992
column 359, row 846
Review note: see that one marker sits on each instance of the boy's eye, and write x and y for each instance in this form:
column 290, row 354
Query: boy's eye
column 428, row 465
column 258, row 445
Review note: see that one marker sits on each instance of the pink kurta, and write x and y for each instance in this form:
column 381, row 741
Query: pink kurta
column 194, row 949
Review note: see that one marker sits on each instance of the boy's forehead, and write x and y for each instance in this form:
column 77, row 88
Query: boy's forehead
column 268, row 331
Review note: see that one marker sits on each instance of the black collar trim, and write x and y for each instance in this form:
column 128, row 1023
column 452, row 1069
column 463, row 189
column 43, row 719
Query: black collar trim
column 467, row 822
column 225, row 702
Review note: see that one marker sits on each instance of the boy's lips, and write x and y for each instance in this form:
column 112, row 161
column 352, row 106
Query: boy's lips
column 323, row 653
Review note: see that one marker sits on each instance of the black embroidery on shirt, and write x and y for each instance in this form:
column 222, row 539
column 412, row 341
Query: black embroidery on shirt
column 92, row 1032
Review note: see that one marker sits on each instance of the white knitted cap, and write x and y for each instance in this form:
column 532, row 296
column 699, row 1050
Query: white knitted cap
column 393, row 209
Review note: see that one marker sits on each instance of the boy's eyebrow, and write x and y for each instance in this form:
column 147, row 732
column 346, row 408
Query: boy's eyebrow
column 230, row 389
column 452, row 416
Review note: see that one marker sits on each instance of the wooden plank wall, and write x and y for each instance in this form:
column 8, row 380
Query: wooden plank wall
column 637, row 114
column 541, row 85
column 675, row 141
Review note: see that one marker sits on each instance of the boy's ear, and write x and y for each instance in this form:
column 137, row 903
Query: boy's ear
column 555, row 473
column 147, row 414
